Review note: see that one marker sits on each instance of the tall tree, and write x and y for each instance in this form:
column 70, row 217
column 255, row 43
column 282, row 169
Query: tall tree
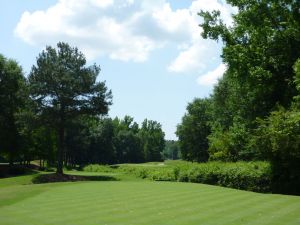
column 193, row 131
column 102, row 134
column 153, row 141
column 126, row 141
column 63, row 88
column 12, row 98
column 260, row 49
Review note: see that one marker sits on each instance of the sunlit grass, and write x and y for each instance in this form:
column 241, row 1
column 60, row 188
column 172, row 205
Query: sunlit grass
column 132, row 201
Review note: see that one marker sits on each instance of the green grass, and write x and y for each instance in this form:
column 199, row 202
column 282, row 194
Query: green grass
column 141, row 202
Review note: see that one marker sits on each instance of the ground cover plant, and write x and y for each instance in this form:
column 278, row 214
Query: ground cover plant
column 138, row 201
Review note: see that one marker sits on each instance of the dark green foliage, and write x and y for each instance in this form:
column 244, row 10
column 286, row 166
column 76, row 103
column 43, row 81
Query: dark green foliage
column 232, row 144
column 12, row 99
column 297, row 83
column 260, row 51
column 193, row 131
column 278, row 139
column 78, row 140
column 171, row 150
column 127, row 142
column 153, row 141
column 246, row 176
column 14, row 170
column 101, row 148
column 63, row 88
column 92, row 140
column 251, row 176
column 54, row 177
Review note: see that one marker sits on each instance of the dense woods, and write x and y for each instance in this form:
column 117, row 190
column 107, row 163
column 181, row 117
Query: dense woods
column 253, row 112
column 58, row 115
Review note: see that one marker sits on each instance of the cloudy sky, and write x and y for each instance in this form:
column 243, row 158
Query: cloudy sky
column 151, row 53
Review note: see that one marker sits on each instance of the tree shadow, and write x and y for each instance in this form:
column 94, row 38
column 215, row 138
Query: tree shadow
column 53, row 177
column 15, row 170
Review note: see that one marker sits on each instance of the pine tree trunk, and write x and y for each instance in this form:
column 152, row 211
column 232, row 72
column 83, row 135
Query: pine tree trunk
column 60, row 150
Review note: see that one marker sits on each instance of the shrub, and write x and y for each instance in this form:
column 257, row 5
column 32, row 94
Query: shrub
column 98, row 168
column 251, row 176
column 278, row 139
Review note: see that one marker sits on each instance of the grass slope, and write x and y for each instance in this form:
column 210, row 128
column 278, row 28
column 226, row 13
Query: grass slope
column 140, row 202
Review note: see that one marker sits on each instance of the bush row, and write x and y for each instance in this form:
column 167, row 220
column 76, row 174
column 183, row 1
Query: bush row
column 251, row 176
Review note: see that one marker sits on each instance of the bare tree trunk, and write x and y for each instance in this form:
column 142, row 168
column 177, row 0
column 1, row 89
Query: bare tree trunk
column 60, row 149
column 11, row 155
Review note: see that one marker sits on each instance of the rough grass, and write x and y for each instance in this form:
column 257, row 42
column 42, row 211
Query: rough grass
column 139, row 202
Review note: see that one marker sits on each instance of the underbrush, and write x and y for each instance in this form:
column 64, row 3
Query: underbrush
column 98, row 168
column 251, row 176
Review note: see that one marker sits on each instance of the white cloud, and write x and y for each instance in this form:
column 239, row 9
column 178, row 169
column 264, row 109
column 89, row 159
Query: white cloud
column 210, row 5
column 88, row 24
column 188, row 60
column 200, row 52
column 124, row 30
column 212, row 77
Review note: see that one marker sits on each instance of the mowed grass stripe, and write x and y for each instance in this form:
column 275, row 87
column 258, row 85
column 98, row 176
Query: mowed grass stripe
column 85, row 197
column 269, row 216
column 238, row 212
column 150, row 203
column 213, row 210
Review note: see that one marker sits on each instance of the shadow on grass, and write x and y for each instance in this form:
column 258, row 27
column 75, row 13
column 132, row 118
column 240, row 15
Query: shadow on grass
column 15, row 170
column 53, row 177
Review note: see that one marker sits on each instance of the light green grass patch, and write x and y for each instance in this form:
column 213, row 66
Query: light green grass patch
column 142, row 203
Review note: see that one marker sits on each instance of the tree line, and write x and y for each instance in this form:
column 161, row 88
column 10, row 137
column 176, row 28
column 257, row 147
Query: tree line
column 253, row 112
column 58, row 114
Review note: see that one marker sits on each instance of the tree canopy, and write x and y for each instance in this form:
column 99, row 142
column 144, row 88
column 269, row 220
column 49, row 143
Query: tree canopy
column 12, row 99
column 63, row 88
column 254, row 107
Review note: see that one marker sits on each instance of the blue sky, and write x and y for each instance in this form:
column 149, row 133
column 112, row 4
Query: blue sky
column 151, row 53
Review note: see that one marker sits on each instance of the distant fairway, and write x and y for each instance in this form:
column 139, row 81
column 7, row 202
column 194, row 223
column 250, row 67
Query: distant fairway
column 140, row 202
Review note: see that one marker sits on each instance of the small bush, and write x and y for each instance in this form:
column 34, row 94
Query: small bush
column 98, row 168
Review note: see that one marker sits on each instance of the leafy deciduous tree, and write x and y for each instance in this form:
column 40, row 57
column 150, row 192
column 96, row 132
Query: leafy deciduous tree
column 193, row 131
column 12, row 99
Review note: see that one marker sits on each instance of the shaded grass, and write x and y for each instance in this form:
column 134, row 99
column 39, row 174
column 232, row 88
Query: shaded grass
column 53, row 177
column 18, row 180
column 15, row 170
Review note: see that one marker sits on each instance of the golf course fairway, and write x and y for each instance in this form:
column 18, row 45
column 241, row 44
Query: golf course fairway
column 141, row 203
